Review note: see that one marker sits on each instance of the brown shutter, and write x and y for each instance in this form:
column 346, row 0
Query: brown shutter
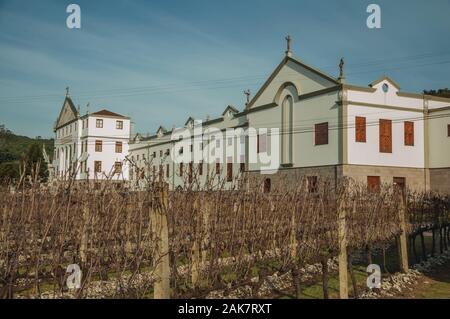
column 373, row 183
column 190, row 172
column 409, row 133
column 321, row 133
column 229, row 172
column 385, row 136
column 360, row 126
column 200, row 168
column 399, row 183
column 267, row 185
column 217, row 168
column 257, row 143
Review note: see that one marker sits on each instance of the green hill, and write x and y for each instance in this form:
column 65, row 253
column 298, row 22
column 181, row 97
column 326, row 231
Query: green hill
column 14, row 147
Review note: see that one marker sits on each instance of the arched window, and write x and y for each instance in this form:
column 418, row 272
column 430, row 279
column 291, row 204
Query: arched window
column 286, row 130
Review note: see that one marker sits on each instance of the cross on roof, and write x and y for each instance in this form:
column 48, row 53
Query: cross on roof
column 247, row 93
column 288, row 44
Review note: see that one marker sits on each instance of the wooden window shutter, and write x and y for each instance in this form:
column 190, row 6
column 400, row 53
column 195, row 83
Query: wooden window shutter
column 217, row 168
column 257, row 143
column 360, row 127
column 229, row 172
column 190, row 172
column 373, row 183
column 409, row 133
column 321, row 133
column 385, row 136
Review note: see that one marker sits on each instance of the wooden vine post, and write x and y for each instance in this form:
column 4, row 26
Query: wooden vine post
column 195, row 253
column 403, row 241
column 342, row 238
column 84, row 230
column 159, row 208
column 293, row 239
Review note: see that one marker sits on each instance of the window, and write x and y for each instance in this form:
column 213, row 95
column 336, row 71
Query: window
column 242, row 167
column 119, row 125
column 448, row 130
column 97, row 166
column 360, row 127
column 118, row 147
column 385, row 136
column 98, row 146
column 409, row 133
column 137, row 157
column 262, row 143
column 181, row 169
column 230, row 141
column 154, row 155
column 321, row 133
column 87, row 123
column 373, row 183
column 190, row 173
column 229, row 172
column 200, row 168
column 399, row 183
column 99, row 123
column 82, row 122
column 312, row 184
column 160, row 153
column 267, row 185
column 217, row 168
column 167, row 152
column 287, row 130
column 161, row 172
column 167, row 170
column 118, row 167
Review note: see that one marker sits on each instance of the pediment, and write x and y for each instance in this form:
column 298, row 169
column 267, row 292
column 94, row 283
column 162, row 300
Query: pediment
column 68, row 113
column 304, row 77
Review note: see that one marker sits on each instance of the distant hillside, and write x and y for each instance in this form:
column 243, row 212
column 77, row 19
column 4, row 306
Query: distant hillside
column 14, row 147
column 441, row 92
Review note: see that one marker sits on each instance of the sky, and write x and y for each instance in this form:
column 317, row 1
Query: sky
column 160, row 62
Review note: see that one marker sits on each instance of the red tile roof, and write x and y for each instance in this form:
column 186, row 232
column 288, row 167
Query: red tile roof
column 108, row 113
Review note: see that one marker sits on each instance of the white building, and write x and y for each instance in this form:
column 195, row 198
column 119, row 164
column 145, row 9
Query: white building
column 374, row 134
column 90, row 146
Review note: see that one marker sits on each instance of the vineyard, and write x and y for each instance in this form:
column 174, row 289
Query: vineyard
column 155, row 243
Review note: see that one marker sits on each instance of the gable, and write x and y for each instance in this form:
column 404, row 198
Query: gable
column 68, row 113
column 305, row 78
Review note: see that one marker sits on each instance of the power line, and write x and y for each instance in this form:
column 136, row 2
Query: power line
column 213, row 84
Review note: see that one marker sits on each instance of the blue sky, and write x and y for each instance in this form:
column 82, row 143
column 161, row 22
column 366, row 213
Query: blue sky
column 163, row 61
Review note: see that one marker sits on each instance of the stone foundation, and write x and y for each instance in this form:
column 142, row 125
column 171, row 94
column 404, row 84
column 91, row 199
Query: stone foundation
column 440, row 180
column 416, row 179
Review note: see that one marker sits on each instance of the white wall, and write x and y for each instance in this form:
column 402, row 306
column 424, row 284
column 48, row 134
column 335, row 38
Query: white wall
column 368, row 153
column 439, row 147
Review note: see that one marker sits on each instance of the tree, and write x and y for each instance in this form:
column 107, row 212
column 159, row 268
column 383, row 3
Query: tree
column 9, row 170
column 32, row 158
column 441, row 92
